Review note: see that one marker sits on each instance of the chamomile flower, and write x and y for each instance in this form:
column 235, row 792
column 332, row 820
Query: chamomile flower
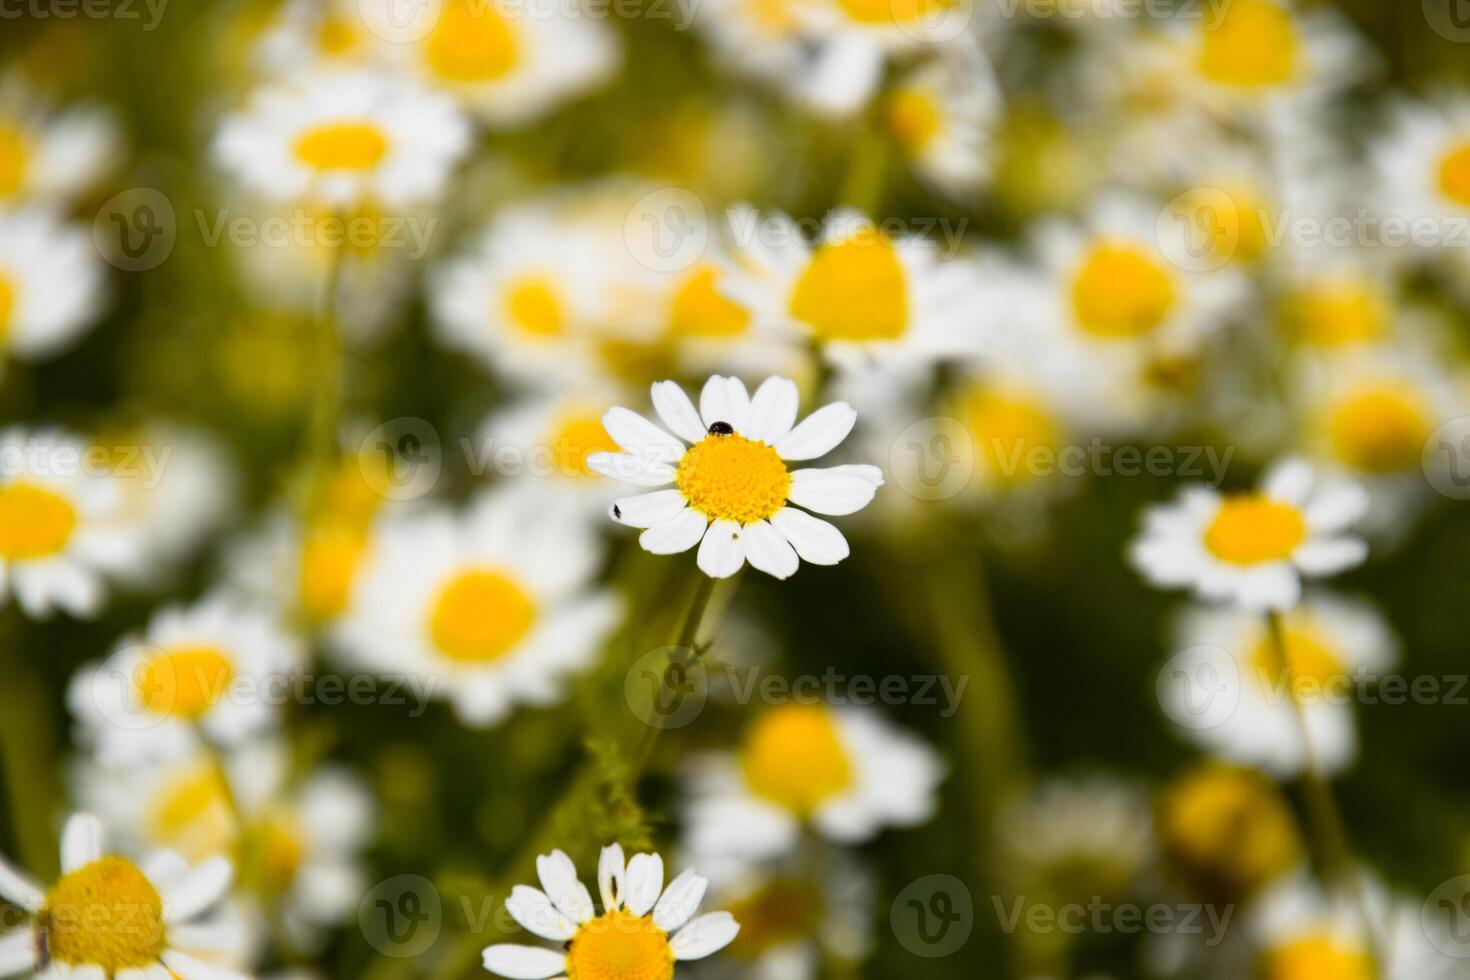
column 1253, row 549
column 547, row 439
column 733, row 492
column 1227, row 831
column 217, row 669
column 643, row 931
column 51, row 156
column 1422, row 165
column 1091, row 833
column 495, row 604
column 344, row 140
column 61, row 528
column 1332, row 646
column 110, row 917
column 846, row 773
column 307, row 34
column 860, row 294
column 51, row 283
column 942, row 114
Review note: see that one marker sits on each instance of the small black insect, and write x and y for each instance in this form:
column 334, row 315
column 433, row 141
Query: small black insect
column 721, row 429
column 617, row 511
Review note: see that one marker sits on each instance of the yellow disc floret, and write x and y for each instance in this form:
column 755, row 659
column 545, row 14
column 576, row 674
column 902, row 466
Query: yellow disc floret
column 732, row 478
column 105, row 914
column 578, row 436
column 342, row 146
column 1454, row 174
column 1228, row 829
column 854, row 289
column 185, row 682
column 1121, row 292
column 532, row 306
column 1250, row 529
column 7, row 304
column 14, row 153
column 34, row 522
column 1254, row 45
column 1311, row 660
column 700, row 310
column 794, row 756
column 1318, row 958
column 480, row 616
column 620, row 946
column 1381, row 428
column 1337, row 314
column 472, row 42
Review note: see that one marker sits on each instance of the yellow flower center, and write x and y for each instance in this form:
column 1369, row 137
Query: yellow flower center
column 185, row 682
column 732, row 478
column 1006, row 425
column 330, row 557
column 532, row 305
column 779, row 912
column 775, row 18
column 1311, row 661
column 913, row 118
column 577, row 437
column 337, row 36
column 1381, row 428
column 1120, row 292
column 620, row 946
column 893, row 11
column 1337, row 314
column 1254, row 44
column 278, row 848
column 342, row 146
column 472, row 43
column 1229, row 823
column 793, row 756
column 1454, row 174
column 1233, row 219
column 7, row 304
column 699, row 310
column 192, row 813
column 34, row 522
column 854, row 289
column 106, row 914
column 1250, row 529
column 1318, row 958
column 480, row 616
column 14, row 153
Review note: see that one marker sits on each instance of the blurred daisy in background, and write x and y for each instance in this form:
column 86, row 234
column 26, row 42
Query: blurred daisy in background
column 52, row 283
column 942, row 115
column 1422, row 170
column 546, row 439
column 305, row 35
column 51, row 155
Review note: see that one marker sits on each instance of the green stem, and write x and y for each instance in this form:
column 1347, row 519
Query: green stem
column 27, row 752
column 867, row 170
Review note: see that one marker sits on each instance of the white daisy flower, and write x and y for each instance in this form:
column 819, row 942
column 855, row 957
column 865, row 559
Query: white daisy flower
column 52, row 283
column 861, row 295
column 643, row 931
column 1422, row 165
column 60, row 525
column 1334, row 300
column 308, row 34
column 847, row 773
column 494, row 606
column 110, row 917
column 733, row 490
column 1332, row 645
column 508, row 61
column 761, row 38
column 1254, row 548
column 216, row 669
column 1092, row 832
column 51, row 156
column 344, row 140
column 548, row 438
column 942, row 114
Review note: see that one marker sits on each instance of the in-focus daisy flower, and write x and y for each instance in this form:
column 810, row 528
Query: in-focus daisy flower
column 1334, row 648
column 51, row 283
column 847, row 773
column 344, row 140
column 861, row 295
column 60, row 525
column 217, row 669
column 941, row 115
column 51, row 156
column 494, row 607
column 108, row 917
column 643, row 931
column 1227, row 831
column 733, row 492
column 1254, row 548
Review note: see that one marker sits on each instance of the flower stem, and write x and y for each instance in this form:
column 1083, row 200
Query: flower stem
column 27, row 752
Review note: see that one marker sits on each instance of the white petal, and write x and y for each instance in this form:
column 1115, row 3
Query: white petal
column 819, row 433
column 638, row 470
column 524, row 962
column 1337, row 507
column 611, row 870
column 721, row 553
column 725, row 400
column 814, row 539
column 648, row 509
column 81, row 842
column 677, row 411
column 204, row 885
column 768, row 550
column 1289, row 481
column 534, row 911
column 17, row 952
column 772, row 410
column 705, row 935
column 188, row 968
column 1329, row 556
column 637, row 435
column 559, row 880
column 645, row 881
column 18, row 887
column 679, row 901
column 838, row 490
column 678, row 535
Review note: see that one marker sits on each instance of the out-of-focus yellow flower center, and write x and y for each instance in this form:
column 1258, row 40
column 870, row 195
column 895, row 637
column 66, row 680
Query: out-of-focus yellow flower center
column 1318, row 958
column 353, row 491
column 185, row 681
column 1006, row 425
column 913, row 118
column 794, row 756
column 1229, row 823
column 532, row 305
column 732, row 478
column 1254, row 44
column 7, row 304
column 1381, row 428
column 472, row 43
column 480, row 616
column 854, row 289
column 1311, row 661
column 1337, row 314
column 1121, row 292
column 280, row 849
column 700, row 310
column 105, row 914
column 893, row 11
column 777, row 18
column 1454, row 174
column 620, row 946
column 14, row 153
column 330, row 557
column 578, row 436
column 337, row 36
column 1233, row 219
column 192, row 813
column 342, row 146
column 1250, row 529
column 781, row 911
column 34, row 522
